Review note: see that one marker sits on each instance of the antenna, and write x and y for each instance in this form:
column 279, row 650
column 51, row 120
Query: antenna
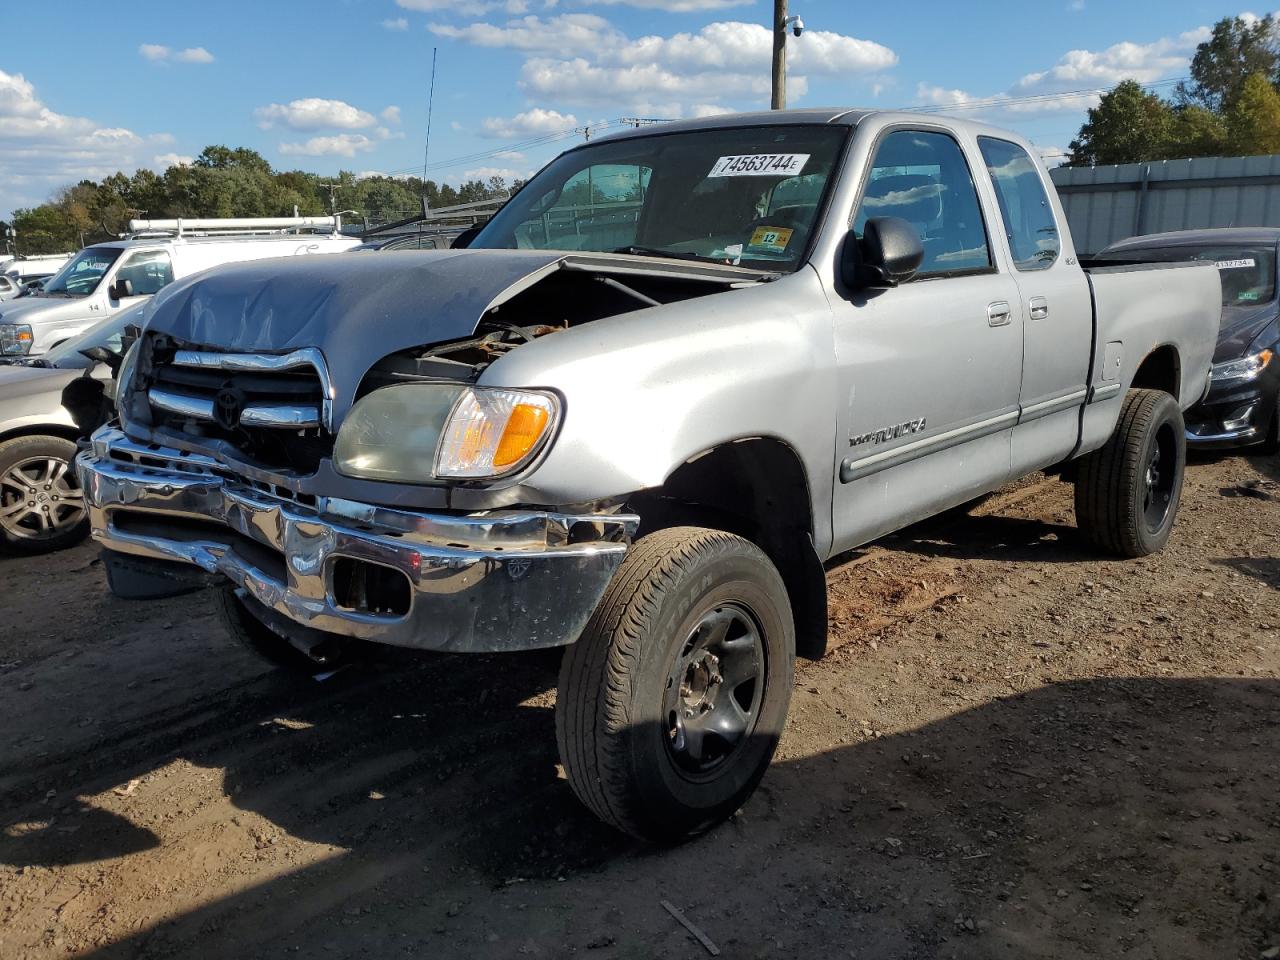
column 426, row 145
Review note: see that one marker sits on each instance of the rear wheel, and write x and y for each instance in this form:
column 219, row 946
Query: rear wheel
column 671, row 703
column 1128, row 491
column 42, row 507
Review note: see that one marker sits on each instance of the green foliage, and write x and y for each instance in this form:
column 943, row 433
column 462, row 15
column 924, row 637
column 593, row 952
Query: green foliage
column 1231, row 106
column 225, row 182
column 1128, row 123
column 1236, row 50
column 1253, row 122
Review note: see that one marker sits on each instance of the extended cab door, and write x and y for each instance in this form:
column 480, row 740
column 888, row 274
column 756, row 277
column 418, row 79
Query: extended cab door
column 929, row 370
column 1056, row 300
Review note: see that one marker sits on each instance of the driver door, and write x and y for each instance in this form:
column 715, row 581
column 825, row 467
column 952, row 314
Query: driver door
column 929, row 370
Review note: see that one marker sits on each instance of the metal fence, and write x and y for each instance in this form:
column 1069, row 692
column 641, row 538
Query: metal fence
column 1105, row 204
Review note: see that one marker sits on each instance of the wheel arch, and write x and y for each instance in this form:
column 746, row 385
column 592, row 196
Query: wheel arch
column 1160, row 369
column 757, row 488
column 61, row 431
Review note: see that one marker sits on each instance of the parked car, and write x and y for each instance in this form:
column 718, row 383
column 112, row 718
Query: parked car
column 638, row 433
column 41, row 503
column 436, row 240
column 10, row 287
column 37, row 265
column 1242, row 405
column 106, row 277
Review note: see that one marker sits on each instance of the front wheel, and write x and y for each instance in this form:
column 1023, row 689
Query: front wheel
column 42, row 507
column 671, row 703
column 1127, row 492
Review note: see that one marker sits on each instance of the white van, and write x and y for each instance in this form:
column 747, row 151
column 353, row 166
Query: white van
column 107, row 277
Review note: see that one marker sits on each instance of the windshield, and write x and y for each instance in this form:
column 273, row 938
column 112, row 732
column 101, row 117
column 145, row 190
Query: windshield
column 80, row 276
column 107, row 333
column 1248, row 272
column 749, row 196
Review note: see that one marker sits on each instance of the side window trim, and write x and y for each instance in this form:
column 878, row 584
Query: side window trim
column 993, row 266
column 1021, row 265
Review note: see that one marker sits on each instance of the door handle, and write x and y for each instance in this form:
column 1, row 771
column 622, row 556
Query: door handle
column 1039, row 308
column 999, row 313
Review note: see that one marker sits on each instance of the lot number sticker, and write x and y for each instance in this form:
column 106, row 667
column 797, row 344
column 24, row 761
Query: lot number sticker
column 1237, row 264
column 760, row 165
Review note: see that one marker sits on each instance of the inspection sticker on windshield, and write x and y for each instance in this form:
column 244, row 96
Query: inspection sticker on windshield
column 1236, row 264
column 760, row 165
column 772, row 239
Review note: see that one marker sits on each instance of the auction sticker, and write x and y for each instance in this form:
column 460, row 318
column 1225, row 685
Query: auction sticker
column 1237, row 264
column 773, row 239
column 760, row 165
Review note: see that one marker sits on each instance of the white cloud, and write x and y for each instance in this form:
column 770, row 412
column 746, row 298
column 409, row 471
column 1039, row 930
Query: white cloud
column 581, row 58
column 484, row 173
column 511, row 155
column 41, row 150
column 158, row 53
column 531, row 123
column 313, row 113
column 338, row 145
column 673, row 6
column 397, row 24
column 390, row 114
column 566, row 34
column 163, row 161
column 466, row 8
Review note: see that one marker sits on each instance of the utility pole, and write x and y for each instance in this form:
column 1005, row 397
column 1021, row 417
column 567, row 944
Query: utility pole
column 779, row 101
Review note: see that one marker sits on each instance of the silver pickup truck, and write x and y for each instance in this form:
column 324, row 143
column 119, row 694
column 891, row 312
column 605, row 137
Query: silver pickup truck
column 672, row 377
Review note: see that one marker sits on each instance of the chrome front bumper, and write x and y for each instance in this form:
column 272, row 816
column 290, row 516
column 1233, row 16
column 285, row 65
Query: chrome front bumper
column 503, row 580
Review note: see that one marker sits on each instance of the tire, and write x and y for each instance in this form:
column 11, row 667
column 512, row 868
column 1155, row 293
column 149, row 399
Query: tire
column 638, row 698
column 259, row 639
column 1127, row 492
column 42, row 507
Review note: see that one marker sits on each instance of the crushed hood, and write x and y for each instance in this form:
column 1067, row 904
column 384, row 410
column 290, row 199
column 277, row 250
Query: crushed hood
column 358, row 308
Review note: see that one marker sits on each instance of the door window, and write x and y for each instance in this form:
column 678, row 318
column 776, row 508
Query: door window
column 1024, row 204
column 148, row 271
column 924, row 179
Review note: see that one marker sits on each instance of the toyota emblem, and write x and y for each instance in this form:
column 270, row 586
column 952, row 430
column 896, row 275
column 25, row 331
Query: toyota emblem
column 228, row 404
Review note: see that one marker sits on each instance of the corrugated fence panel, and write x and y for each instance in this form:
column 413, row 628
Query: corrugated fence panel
column 1106, row 204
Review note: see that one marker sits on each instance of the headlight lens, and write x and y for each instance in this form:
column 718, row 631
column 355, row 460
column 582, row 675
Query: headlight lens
column 417, row 432
column 15, row 339
column 1247, row 368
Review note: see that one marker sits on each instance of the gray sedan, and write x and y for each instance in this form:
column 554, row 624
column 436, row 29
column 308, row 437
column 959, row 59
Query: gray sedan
column 41, row 504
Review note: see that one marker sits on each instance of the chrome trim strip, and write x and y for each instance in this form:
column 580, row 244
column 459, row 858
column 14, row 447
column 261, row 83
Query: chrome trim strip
column 851, row 469
column 181, row 404
column 283, row 415
column 1104, row 392
column 266, row 363
column 1248, row 433
column 1044, row 408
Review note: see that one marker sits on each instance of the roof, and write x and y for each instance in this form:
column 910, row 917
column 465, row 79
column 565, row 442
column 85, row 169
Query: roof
column 1190, row 238
column 818, row 116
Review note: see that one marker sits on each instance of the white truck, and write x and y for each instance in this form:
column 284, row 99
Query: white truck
column 107, row 277
column 638, row 427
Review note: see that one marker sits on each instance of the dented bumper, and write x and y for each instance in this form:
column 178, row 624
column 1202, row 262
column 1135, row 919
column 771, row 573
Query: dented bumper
column 502, row 580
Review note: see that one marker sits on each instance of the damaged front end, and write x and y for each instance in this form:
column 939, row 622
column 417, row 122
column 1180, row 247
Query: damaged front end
column 239, row 400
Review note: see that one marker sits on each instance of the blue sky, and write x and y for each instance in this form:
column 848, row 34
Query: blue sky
column 324, row 85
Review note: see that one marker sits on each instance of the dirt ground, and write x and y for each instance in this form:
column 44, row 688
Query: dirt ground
column 1017, row 749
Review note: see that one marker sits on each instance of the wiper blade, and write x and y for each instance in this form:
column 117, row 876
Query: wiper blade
column 659, row 252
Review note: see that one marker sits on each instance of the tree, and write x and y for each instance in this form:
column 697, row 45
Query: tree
column 1127, row 125
column 1196, row 132
column 1253, row 122
column 1237, row 49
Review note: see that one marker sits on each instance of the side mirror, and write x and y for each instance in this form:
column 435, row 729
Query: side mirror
column 120, row 289
column 889, row 253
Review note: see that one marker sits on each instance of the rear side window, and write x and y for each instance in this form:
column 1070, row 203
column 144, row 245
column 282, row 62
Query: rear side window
column 923, row 178
column 1024, row 204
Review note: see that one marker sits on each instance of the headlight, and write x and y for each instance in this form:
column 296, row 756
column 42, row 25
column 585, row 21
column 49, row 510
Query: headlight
column 15, row 339
column 419, row 432
column 1247, row 369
